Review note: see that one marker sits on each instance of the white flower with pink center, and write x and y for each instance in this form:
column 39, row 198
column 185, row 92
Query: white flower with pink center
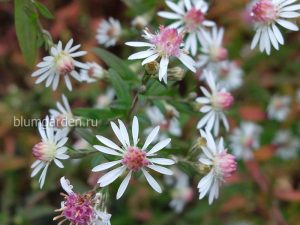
column 279, row 107
column 93, row 73
column 109, row 32
column 62, row 114
column 266, row 14
column 190, row 18
column 214, row 105
column 245, row 139
column 60, row 63
column 222, row 166
column 80, row 209
column 132, row 158
column 212, row 49
column 166, row 44
column 168, row 122
column 50, row 148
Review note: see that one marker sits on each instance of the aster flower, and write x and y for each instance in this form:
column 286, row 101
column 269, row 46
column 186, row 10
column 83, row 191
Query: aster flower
column 109, row 32
column 279, row 107
column 63, row 114
column 267, row 15
column 245, row 139
column 190, row 18
column 50, row 148
column 80, row 209
column 222, row 165
column 286, row 144
column 93, row 73
column 132, row 158
column 164, row 45
column 60, row 63
column 168, row 123
column 214, row 105
column 181, row 193
column 212, row 50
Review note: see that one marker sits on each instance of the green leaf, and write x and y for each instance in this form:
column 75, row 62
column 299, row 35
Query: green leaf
column 44, row 11
column 97, row 114
column 121, row 88
column 116, row 63
column 27, row 29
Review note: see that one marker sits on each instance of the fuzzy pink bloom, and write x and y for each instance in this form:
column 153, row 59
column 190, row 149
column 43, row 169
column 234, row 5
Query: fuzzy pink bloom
column 78, row 209
column 224, row 100
column 226, row 164
column 264, row 11
column 135, row 159
column 193, row 18
column 167, row 41
column 44, row 151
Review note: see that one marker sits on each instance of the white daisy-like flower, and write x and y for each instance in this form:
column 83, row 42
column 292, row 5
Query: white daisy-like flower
column 50, row 148
column 245, row 139
column 132, row 158
column 93, row 73
column 190, row 18
column 212, row 50
column 106, row 99
column 109, row 32
column 63, row 114
column 214, row 105
column 267, row 15
column 230, row 75
column 165, row 44
column 80, row 209
column 169, row 124
column 61, row 62
column 222, row 166
column 286, row 144
column 182, row 193
column 279, row 107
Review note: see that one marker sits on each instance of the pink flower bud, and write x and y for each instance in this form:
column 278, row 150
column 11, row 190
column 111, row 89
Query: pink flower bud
column 225, row 164
column 44, row 151
column 264, row 11
column 224, row 100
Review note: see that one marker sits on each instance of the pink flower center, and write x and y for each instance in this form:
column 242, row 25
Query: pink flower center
column 65, row 64
column 264, row 11
column 135, row 159
column 225, row 165
column 60, row 121
column 44, row 151
column 78, row 209
column 193, row 18
column 218, row 54
column 223, row 100
column 167, row 41
column 165, row 125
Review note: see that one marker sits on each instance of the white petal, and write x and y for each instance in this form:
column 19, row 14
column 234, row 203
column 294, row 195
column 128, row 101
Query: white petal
column 287, row 24
column 187, row 61
column 107, row 150
column 163, row 67
column 108, row 143
column 66, row 185
column 169, row 15
column 151, row 137
column 160, row 145
column 161, row 169
column 138, row 44
column 105, row 166
column 162, row 161
column 142, row 54
column 124, row 132
column 58, row 163
column 135, row 130
column 153, row 183
column 111, row 176
column 123, row 185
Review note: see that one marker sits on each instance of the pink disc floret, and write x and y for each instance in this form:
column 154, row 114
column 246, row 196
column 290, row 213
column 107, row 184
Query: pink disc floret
column 78, row 209
column 226, row 165
column 264, row 11
column 135, row 159
column 193, row 18
column 224, row 100
column 44, row 151
column 65, row 64
column 167, row 41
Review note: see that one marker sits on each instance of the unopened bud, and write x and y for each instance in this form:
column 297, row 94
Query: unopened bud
column 176, row 73
column 152, row 68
